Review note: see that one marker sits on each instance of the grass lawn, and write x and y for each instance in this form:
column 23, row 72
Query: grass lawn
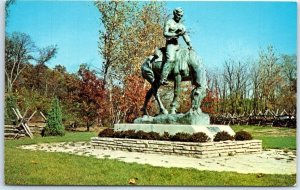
column 272, row 137
column 24, row 167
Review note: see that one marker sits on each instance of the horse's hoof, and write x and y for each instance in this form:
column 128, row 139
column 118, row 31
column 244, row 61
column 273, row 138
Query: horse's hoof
column 163, row 83
column 173, row 111
column 163, row 112
column 199, row 111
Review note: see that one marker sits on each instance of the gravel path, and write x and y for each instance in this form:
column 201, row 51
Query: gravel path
column 272, row 161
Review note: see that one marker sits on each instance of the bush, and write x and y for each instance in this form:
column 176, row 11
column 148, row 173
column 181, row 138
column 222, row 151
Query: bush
column 119, row 134
column 165, row 136
column 223, row 136
column 199, row 137
column 107, row 133
column 130, row 134
column 10, row 103
column 141, row 135
column 184, row 137
column 242, row 136
column 54, row 124
column 153, row 136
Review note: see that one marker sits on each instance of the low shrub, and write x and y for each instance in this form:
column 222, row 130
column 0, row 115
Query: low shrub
column 130, row 134
column 106, row 133
column 119, row 134
column 223, row 136
column 183, row 137
column 165, row 136
column 199, row 137
column 242, row 136
column 153, row 136
column 141, row 135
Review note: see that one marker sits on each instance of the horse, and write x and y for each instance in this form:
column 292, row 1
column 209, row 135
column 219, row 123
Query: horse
column 187, row 67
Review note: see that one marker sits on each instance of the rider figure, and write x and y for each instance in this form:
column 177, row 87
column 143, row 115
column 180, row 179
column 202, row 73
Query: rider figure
column 173, row 29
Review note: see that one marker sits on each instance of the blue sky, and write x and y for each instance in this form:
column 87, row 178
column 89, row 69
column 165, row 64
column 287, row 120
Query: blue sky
column 218, row 30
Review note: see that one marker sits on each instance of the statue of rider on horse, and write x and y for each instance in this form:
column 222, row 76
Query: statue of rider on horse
column 177, row 64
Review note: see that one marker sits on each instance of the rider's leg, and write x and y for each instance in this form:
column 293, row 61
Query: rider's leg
column 170, row 61
column 177, row 90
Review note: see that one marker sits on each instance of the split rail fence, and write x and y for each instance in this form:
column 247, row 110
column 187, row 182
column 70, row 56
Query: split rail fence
column 268, row 118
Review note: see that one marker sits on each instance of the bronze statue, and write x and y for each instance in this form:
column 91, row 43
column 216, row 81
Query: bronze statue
column 173, row 29
column 177, row 64
column 187, row 67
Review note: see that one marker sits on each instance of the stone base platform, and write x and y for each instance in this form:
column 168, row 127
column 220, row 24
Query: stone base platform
column 189, row 149
column 172, row 129
column 189, row 118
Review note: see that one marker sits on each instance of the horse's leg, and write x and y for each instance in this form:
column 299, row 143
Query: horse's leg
column 196, row 97
column 177, row 89
column 147, row 98
column 162, row 109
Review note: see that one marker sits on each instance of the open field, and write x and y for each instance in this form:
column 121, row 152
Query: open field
column 24, row 167
column 273, row 137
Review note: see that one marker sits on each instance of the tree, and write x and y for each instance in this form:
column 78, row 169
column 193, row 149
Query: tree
column 8, row 3
column 19, row 52
column 10, row 103
column 130, row 31
column 269, row 74
column 54, row 124
column 287, row 95
column 91, row 96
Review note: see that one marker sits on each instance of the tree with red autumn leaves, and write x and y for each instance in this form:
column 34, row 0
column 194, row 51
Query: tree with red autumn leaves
column 90, row 97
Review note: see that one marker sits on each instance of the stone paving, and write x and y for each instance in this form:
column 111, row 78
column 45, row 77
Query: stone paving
column 271, row 161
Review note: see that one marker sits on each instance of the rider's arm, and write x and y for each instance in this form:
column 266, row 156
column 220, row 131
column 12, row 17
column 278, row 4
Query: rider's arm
column 186, row 38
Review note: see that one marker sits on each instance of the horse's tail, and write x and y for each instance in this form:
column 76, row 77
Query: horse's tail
column 147, row 71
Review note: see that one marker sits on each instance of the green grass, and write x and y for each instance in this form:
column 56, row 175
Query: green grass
column 24, row 167
column 272, row 137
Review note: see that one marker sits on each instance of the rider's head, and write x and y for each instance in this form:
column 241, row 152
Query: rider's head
column 178, row 14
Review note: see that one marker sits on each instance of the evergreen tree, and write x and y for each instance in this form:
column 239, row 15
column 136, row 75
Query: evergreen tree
column 10, row 103
column 54, row 124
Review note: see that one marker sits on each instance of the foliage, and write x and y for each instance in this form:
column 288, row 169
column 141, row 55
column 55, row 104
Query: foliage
column 108, row 132
column 183, row 137
column 248, row 85
column 199, row 137
column 150, row 136
column 134, row 86
column 54, row 124
column 19, row 52
column 8, row 3
column 10, row 103
column 91, row 96
column 223, row 136
column 130, row 31
column 242, row 135
column 165, row 136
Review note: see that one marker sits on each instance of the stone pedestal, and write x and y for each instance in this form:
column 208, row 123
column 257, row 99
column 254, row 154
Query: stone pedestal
column 172, row 129
column 190, row 118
